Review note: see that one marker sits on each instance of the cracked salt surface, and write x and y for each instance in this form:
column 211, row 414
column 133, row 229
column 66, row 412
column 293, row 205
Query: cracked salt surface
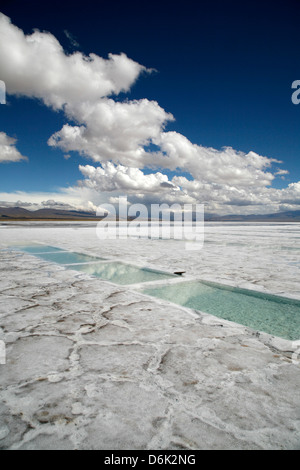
column 93, row 365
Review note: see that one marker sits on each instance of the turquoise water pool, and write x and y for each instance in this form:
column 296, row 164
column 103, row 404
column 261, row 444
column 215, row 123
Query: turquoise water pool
column 274, row 315
column 120, row 273
column 37, row 249
column 68, row 257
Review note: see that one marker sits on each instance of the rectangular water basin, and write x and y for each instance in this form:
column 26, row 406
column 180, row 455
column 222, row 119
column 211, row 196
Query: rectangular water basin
column 68, row 257
column 120, row 273
column 274, row 315
column 37, row 249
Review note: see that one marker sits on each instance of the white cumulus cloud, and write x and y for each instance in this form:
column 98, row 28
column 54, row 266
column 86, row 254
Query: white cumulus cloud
column 36, row 65
column 113, row 131
column 112, row 177
column 8, row 150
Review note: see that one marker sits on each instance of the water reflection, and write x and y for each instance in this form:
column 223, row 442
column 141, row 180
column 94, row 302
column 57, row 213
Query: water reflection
column 120, row 273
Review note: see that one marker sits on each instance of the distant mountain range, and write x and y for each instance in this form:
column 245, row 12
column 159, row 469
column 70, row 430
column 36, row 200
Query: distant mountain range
column 19, row 213
column 288, row 216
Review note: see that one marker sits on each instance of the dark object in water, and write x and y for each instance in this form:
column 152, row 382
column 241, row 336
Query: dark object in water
column 179, row 273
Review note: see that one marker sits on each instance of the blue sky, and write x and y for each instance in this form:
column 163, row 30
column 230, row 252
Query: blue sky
column 223, row 70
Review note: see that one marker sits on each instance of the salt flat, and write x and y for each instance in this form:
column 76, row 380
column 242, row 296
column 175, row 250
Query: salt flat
column 93, row 365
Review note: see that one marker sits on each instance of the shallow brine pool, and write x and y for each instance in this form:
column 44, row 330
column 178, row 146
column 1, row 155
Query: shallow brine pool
column 38, row 249
column 274, row 315
column 57, row 255
column 120, row 273
column 65, row 257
